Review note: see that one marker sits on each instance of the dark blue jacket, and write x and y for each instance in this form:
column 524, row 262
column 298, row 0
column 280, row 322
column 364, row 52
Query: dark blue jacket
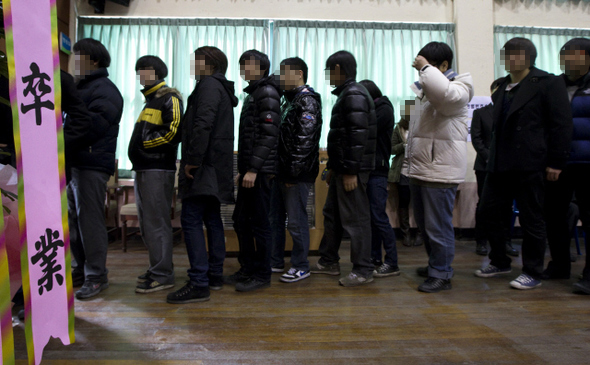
column 580, row 146
column 105, row 104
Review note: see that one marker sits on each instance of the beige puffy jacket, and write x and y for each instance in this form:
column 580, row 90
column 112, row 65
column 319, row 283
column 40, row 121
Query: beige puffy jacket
column 437, row 141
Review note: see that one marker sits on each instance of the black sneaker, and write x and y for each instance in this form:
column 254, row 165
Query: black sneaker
column 376, row 263
column 215, row 282
column 237, row 277
column 77, row 278
column 511, row 250
column 434, row 285
column 582, row 287
column 490, row 271
column 143, row 277
column 328, row 269
column 252, row 284
column 150, row 286
column 386, row 270
column 422, row 271
column 481, row 249
column 553, row 272
column 419, row 241
column 189, row 294
column 90, row 289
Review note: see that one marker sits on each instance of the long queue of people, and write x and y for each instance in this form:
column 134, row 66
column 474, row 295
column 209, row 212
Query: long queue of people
column 535, row 152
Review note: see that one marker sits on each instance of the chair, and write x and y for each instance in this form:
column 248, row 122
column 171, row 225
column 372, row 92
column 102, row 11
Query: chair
column 128, row 211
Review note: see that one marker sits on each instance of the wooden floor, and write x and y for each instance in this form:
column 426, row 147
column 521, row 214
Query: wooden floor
column 480, row 321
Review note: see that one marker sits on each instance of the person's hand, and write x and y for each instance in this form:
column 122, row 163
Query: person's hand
column 237, row 179
column 289, row 185
column 350, row 182
column 419, row 63
column 187, row 170
column 552, row 174
column 3, row 145
column 249, row 180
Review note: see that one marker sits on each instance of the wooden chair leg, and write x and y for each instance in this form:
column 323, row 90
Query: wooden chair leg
column 124, row 235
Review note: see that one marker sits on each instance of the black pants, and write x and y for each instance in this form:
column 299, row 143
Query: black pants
column 350, row 212
column 559, row 194
column 528, row 189
column 480, row 235
column 252, row 227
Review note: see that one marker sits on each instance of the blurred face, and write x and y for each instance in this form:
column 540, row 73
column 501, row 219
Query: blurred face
column 83, row 65
column 251, row 71
column 290, row 79
column 574, row 62
column 515, row 61
column 335, row 77
column 147, row 77
column 200, row 68
column 408, row 109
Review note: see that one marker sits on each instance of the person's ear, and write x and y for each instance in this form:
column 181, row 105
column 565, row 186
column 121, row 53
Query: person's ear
column 444, row 66
column 300, row 74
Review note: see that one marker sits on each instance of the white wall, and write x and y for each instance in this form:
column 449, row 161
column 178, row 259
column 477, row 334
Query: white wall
column 545, row 13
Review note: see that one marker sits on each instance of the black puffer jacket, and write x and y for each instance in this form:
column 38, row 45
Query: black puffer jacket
column 299, row 140
column 259, row 127
column 385, row 123
column 105, row 104
column 353, row 130
column 208, row 140
column 157, row 132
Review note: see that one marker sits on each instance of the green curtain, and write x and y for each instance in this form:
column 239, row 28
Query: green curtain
column 548, row 42
column 384, row 53
column 173, row 40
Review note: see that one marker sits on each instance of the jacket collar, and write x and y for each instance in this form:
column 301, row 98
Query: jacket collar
column 253, row 85
column 528, row 88
column 341, row 88
column 150, row 92
column 582, row 82
column 96, row 74
column 291, row 94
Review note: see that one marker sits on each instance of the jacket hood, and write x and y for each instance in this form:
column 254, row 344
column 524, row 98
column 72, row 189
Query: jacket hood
column 228, row 86
column 384, row 100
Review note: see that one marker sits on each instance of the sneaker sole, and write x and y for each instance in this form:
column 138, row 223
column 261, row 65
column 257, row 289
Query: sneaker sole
column 519, row 286
column 581, row 289
column 93, row 294
column 276, row 271
column 350, row 285
column 151, row 290
column 285, row 280
column 215, row 287
column 377, row 275
column 196, row 300
column 446, row 287
column 264, row 286
column 480, row 274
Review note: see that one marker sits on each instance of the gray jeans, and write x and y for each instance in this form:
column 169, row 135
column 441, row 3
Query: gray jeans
column 86, row 218
column 153, row 196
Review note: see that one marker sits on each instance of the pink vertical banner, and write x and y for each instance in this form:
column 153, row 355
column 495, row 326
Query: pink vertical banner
column 35, row 95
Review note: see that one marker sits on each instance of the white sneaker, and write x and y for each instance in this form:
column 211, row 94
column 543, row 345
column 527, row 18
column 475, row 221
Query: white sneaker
column 294, row 275
column 525, row 282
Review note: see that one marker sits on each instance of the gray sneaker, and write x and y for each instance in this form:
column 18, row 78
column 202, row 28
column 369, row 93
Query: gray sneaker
column 90, row 289
column 386, row 270
column 331, row 269
column 353, row 279
column 490, row 271
column 150, row 286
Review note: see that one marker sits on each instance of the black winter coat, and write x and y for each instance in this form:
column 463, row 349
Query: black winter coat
column 208, row 140
column 481, row 135
column 300, row 132
column 105, row 104
column 353, row 130
column 385, row 123
column 259, row 127
column 537, row 130
column 157, row 132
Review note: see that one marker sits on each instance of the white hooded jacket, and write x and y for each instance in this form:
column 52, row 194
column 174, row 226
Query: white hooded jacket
column 437, row 141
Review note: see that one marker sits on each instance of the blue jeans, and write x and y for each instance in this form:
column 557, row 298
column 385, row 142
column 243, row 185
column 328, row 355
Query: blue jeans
column 433, row 211
column 195, row 212
column 291, row 203
column 381, row 230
